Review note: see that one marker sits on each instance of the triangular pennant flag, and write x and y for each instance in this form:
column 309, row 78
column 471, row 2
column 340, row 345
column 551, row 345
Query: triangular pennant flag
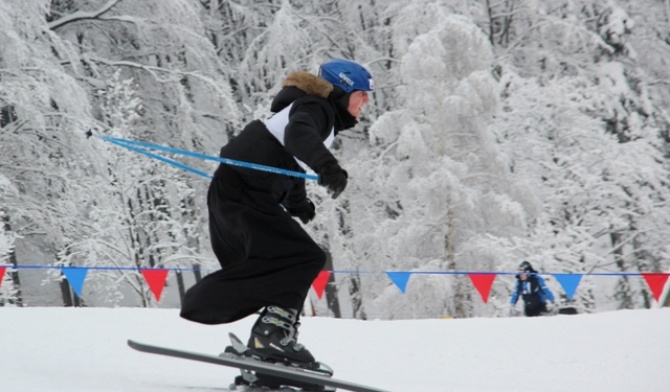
column 569, row 282
column 483, row 283
column 75, row 278
column 400, row 279
column 156, row 280
column 656, row 282
column 321, row 282
column 2, row 274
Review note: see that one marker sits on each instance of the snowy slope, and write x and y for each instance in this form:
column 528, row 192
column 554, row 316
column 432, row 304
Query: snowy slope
column 65, row 349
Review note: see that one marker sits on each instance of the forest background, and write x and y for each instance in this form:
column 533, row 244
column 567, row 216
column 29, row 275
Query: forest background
column 499, row 131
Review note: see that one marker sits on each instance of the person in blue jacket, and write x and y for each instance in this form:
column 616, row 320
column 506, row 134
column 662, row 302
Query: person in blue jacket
column 532, row 289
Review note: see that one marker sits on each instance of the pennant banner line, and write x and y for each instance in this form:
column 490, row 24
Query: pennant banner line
column 481, row 280
column 353, row 272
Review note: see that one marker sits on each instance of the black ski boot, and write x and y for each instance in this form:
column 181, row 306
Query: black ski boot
column 274, row 338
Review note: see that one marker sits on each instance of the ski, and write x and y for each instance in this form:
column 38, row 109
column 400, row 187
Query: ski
column 253, row 365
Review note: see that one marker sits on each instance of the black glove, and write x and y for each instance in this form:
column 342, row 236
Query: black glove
column 332, row 176
column 304, row 211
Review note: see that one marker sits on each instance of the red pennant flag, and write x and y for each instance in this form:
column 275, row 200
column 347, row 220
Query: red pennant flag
column 483, row 283
column 656, row 282
column 320, row 282
column 156, row 280
column 2, row 274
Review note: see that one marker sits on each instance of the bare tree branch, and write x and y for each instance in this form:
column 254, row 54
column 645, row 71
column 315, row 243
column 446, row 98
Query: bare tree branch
column 81, row 15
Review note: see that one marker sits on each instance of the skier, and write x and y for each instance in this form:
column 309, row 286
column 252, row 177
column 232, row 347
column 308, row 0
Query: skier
column 532, row 289
column 268, row 261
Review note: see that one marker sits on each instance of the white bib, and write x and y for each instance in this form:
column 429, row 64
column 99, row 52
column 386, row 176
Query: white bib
column 276, row 124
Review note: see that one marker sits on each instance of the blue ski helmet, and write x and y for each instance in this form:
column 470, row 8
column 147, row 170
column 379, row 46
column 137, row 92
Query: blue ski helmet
column 347, row 75
column 526, row 267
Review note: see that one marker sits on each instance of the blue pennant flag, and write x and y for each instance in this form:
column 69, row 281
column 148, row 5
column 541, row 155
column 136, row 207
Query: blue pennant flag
column 75, row 277
column 400, row 279
column 569, row 282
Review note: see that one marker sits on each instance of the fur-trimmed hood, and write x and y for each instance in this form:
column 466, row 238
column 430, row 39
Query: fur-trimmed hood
column 309, row 83
column 298, row 84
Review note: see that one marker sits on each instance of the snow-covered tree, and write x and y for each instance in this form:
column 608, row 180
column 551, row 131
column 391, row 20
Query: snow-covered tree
column 53, row 69
column 587, row 136
column 7, row 291
column 433, row 179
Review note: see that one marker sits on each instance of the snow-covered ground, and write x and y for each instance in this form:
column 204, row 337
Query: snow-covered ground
column 84, row 349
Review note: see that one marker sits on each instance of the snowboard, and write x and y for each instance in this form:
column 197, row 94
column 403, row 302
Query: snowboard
column 298, row 375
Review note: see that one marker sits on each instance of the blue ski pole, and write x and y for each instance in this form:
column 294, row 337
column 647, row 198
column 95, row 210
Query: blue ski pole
column 138, row 145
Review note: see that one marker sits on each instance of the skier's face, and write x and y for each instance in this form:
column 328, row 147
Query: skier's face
column 357, row 100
